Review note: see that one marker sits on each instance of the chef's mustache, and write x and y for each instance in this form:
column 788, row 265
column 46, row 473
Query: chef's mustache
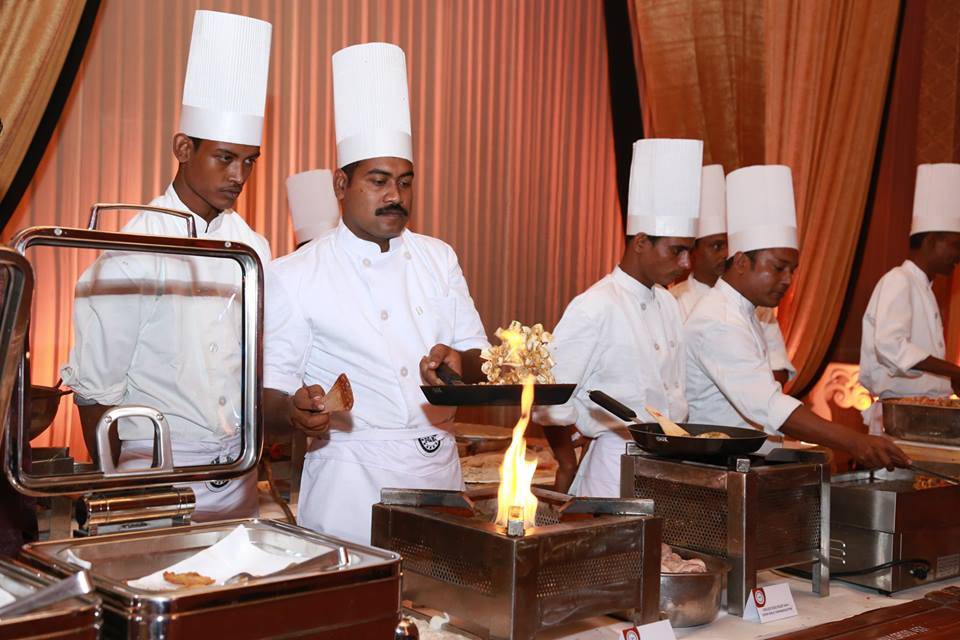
column 392, row 209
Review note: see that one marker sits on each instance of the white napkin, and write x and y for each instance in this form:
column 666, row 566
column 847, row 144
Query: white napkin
column 232, row 555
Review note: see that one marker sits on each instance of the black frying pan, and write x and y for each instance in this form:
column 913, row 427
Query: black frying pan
column 650, row 437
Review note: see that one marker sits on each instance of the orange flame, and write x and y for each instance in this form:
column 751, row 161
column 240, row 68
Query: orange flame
column 516, row 472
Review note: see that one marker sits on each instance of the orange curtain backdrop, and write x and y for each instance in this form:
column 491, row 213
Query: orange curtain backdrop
column 512, row 139
column 701, row 75
column 827, row 68
column 34, row 40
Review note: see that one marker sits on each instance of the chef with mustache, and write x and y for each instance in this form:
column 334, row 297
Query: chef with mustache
column 164, row 331
column 373, row 300
column 903, row 347
column 707, row 261
column 729, row 377
column 624, row 335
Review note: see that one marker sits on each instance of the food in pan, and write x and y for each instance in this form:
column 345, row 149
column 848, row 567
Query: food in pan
column 522, row 352
column 921, row 482
column 188, row 579
column 339, row 397
column 671, row 562
column 942, row 403
column 714, row 435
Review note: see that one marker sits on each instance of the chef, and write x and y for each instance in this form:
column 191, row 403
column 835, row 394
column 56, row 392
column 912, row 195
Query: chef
column 165, row 331
column 624, row 334
column 729, row 377
column 373, row 300
column 314, row 207
column 903, row 349
column 707, row 260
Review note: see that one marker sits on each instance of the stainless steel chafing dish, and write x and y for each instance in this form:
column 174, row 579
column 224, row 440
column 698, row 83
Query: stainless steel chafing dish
column 359, row 600
column 920, row 422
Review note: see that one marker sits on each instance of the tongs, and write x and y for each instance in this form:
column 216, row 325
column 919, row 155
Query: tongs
column 936, row 474
column 76, row 585
column 333, row 559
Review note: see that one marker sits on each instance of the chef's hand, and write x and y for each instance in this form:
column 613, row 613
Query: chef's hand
column 306, row 411
column 874, row 452
column 439, row 354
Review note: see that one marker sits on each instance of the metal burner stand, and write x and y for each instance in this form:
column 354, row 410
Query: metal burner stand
column 754, row 514
column 585, row 557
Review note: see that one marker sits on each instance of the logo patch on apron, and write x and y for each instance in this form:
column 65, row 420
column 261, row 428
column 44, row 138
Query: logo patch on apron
column 216, row 486
column 429, row 445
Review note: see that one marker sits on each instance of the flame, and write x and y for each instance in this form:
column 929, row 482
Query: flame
column 516, row 472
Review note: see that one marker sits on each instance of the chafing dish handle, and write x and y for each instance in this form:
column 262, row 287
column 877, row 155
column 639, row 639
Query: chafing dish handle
column 161, row 429
column 76, row 585
column 103, row 206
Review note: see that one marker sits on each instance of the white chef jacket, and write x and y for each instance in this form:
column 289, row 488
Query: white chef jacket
column 688, row 292
column 339, row 305
column 163, row 330
column 624, row 339
column 729, row 378
column 901, row 327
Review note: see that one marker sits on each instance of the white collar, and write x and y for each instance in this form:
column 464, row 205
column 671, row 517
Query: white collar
column 911, row 267
column 202, row 227
column 696, row 285
column 731, row 294
column 365, row 248
column 634, row 286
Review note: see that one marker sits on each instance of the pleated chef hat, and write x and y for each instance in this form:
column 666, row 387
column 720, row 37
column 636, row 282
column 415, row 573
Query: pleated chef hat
column 225, row 89
column 713, row 202
column 313, row 204
column 936, row 200
column 760, row 209
column 371, row 103
column 664, row 197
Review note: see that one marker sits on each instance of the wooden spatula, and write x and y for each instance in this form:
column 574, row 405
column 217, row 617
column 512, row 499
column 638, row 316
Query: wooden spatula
column 669, row 427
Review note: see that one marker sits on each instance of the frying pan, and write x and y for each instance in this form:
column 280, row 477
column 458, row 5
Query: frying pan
column 650, row 437
column 455, row 393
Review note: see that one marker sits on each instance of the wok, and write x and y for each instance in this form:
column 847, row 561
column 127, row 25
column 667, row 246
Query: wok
column 650, row 437
column 44, row 402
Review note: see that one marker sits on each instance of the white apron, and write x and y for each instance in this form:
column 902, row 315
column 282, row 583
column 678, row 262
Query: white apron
column 342, row 478
column 599, row 473
column 216, row 500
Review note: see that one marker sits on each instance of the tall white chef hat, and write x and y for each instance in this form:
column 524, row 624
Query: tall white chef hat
column 761, row 213
column 371, row 103
column 713, row 202
column 664, row 197
column 313, row 204
column 936, row 200
column 225, row 89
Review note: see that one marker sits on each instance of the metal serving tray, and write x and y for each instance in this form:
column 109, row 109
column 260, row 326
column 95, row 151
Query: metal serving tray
column 922, row 423
column 76, row 618
column 360, row 600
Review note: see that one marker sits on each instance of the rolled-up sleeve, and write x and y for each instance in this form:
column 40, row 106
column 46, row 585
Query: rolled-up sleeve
column 574, row 348
column 776, row 347
column 734, row 363
column 286, row 335
column 109, row 307
column 894, row 313
column 468, row 328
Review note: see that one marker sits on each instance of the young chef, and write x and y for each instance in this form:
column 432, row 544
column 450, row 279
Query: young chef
column 623, row 335
column 313, row 204
column 375, row 301
column 179, row 351
column 729, row 378
column 903, row 350
column 707, row 260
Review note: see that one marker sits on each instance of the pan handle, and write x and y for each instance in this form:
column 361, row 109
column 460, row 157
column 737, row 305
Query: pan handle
column 448, row 375
column 615, row 407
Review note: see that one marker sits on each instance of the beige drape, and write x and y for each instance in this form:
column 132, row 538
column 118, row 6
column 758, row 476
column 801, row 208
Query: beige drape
column 824, row 67
column 512, row 139
column 34, row 40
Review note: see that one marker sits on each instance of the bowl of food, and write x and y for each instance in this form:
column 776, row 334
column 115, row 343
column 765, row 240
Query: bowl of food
column 691, row 586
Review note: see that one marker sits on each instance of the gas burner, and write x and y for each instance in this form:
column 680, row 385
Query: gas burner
column 583, row 557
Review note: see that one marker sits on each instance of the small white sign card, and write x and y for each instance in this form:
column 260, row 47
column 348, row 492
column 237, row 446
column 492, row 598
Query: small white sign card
column 654, row 631
column 773, row 602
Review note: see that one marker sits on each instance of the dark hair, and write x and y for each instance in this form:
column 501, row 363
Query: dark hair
column 349, row 169
column 916, row 240
column 752, row 255
column 196, row 142
column 652, row 239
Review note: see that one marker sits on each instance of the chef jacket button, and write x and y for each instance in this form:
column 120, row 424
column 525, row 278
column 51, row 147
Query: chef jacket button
column 676, row 385
column 222, row 401
column 403, row 371
column 384, row 315
column 666, row 386
column 366, row 262
column 672, row 344
column 656, row 346
column 939, row 344
column 419, row 311
column 214, row 347
column 406, row 254
column 643, row 306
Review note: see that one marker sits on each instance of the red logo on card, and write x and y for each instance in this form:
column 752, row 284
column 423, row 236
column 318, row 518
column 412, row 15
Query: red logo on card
column 759, row 597
column 630, row 633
